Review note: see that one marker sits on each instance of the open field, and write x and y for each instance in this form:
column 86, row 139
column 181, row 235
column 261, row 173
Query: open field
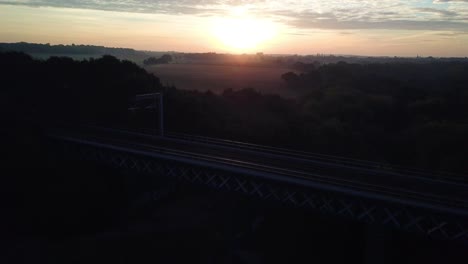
column 217, row 78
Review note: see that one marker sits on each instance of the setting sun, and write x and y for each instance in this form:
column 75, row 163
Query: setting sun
column 241, row 33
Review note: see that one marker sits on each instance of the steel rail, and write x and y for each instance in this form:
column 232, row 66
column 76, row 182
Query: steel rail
column 309, row 155
column 304, row 159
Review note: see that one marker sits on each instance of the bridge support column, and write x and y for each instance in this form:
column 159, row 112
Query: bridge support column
column 377, row 245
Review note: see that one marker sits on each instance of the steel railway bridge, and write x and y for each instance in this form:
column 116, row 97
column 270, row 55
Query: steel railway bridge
column 416, row 201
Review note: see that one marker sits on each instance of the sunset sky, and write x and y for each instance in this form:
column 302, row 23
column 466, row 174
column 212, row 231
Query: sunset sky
column 360, row 27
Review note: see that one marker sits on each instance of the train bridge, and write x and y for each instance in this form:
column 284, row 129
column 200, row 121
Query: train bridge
column 416, row 201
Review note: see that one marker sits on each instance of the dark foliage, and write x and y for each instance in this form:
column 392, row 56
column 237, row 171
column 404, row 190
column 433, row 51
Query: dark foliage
column 61, row 89
column 407, row 114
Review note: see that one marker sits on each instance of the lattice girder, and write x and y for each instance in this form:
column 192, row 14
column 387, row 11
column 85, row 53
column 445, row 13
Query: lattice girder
column 369, row 211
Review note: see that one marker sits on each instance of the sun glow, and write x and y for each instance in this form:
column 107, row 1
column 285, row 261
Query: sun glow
column 241, row 32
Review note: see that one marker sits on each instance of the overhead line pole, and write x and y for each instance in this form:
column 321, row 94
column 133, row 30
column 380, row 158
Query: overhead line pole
column 161, row 115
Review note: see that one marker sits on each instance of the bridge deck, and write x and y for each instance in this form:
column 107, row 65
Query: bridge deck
column 434, row 192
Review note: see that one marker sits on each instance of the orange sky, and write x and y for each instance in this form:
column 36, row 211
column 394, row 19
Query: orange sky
column 430, row 28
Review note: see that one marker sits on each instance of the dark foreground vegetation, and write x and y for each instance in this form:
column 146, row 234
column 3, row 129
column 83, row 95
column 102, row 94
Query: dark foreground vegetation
column 402, row 114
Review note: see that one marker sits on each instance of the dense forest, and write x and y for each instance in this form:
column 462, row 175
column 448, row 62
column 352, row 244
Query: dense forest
column 409, row 114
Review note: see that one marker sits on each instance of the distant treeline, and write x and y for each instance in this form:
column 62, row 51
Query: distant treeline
column 407, row 114
column 67, row 49
column 259, row 59
column 164, row 59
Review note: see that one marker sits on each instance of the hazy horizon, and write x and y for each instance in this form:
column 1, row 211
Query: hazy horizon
column 357, row 27
column 233, row 53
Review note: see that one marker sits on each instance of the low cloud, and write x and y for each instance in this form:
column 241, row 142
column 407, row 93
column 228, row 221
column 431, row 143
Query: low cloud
column 437, row 11
column 332, row 14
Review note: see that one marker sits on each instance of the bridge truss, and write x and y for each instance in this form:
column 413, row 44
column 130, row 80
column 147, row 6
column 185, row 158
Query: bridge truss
column 435, row 224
